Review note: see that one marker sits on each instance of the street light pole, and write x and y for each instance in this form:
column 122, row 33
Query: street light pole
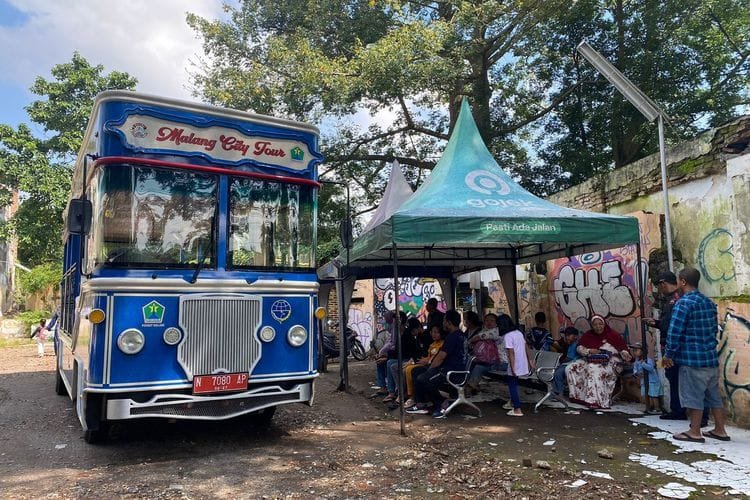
column 647, row 108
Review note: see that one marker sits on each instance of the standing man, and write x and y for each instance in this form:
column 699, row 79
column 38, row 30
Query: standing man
column 691, row 344
column 452, row 357
column 666, row 283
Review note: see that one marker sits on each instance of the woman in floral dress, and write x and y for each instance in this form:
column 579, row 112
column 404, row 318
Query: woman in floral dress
column 592, row 378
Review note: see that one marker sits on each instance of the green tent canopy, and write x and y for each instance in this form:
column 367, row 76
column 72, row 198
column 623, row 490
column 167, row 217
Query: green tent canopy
column 470, row 214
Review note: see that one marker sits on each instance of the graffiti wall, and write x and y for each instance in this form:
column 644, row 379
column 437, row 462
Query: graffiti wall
column 734, row 359
column 413, row 296
column 360, row 318
column 604, row 283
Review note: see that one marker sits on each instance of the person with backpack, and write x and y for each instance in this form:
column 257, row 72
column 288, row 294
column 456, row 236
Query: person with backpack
column 40, row 333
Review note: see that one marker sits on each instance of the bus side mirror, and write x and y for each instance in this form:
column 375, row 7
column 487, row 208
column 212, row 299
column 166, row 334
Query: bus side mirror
column 345, row 232
column 79, row 216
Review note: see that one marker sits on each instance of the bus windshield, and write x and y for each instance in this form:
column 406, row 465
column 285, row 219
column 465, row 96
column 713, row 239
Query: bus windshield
column 152, row 217
column 272, row 225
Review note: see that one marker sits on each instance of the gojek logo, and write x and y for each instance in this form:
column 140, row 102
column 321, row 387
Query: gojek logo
column 485, row 182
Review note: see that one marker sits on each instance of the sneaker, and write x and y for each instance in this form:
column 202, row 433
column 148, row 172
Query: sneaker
column 438, row 413
column 417, row 409
column 508, row 406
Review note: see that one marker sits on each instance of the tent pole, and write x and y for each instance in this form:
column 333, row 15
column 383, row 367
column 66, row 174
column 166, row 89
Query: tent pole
column 343, row 321
column 641, row 291
column 397, row 319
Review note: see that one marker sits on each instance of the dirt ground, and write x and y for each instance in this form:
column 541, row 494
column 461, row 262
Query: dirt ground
column 345, row 446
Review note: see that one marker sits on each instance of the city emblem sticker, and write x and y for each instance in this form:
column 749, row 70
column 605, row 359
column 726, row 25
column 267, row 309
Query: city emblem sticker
column 139, row 130
column 153, row 312
column 297, row 153
column 281, row 310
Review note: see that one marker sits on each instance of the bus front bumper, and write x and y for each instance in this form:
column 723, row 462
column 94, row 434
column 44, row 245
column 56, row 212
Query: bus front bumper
column 212, row 407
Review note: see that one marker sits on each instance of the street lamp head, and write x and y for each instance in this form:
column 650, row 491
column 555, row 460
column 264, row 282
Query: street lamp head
column 637, row 98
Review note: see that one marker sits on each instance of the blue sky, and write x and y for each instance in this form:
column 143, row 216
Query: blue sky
column 147, row 39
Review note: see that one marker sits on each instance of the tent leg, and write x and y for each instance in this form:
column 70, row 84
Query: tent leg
column 641, row 291
column 343, row 320
column 397, row 332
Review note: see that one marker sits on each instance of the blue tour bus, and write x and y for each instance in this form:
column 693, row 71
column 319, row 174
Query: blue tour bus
column 189, row 286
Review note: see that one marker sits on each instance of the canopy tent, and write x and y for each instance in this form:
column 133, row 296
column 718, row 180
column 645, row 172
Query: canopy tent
column 470, row 214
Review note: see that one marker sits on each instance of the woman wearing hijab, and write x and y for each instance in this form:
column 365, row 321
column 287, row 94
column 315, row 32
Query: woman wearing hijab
column 592, row 378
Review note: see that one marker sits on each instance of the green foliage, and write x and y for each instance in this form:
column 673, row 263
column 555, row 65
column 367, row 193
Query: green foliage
column 40, row 168
column 40, row 278
column 29, row 318
column 547, row 116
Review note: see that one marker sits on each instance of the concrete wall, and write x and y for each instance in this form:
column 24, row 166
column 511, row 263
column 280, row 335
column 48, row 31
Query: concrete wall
column 709, row 203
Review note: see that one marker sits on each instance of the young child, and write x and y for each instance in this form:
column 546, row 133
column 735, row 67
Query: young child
column 539, row 337
column 40, row 332
column 652, row 395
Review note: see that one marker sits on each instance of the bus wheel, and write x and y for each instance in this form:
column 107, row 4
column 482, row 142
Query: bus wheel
column 262, row 418
column 60, row 388
column 323, row 363
column 97, row 428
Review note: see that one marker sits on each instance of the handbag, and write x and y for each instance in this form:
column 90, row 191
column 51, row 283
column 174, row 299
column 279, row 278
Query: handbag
column 600, row 359
column 485, row 351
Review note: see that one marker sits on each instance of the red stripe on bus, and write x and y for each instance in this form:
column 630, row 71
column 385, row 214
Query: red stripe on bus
column 204, row 168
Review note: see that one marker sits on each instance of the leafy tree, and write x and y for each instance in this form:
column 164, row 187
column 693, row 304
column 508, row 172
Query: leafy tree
column 315, row 60
column 40, row 168
column 545, row 114
column 691, row 57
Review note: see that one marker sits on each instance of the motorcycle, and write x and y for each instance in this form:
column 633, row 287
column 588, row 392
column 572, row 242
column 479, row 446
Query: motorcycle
column 330, row 347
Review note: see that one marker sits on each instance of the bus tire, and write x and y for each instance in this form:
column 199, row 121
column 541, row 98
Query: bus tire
column 323, row 363
column 97, row 428
column 60, row 388
column 262, row 418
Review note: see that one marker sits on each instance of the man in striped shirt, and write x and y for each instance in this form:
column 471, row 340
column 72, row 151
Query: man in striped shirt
column 691, row 344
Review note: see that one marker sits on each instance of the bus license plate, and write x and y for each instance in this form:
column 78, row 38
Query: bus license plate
column 221, row 382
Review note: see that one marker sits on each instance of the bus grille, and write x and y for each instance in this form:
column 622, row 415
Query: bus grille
column 219, row 334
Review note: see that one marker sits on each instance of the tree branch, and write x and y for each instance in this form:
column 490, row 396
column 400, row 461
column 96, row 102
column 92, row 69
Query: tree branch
column 541, row 113
column 418, row 128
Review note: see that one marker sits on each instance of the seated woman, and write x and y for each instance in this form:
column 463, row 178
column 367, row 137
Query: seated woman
column 591, row 379
column 412, row 370
column 488, row 349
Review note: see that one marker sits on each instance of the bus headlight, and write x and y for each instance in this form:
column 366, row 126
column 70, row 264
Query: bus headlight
column 131, row 341
column 267, row 334
column 172, row 336
column 297, row 335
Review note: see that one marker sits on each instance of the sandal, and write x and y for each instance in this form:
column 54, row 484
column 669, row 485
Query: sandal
column 684, row 436
column 512, row 413
column 713, row 435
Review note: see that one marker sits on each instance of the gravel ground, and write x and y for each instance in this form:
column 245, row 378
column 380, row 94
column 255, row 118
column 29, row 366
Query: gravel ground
column 346, row 446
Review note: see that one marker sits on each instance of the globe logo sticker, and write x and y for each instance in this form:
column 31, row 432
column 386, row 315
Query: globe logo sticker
column 153, row 312
column 486, row 182
column 281, row 310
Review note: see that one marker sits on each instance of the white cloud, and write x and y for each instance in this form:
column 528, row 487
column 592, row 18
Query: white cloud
column 150, row 40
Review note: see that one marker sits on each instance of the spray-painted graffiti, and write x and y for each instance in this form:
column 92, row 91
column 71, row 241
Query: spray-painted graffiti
column 605, row 283
column 715, row 257
column 734, row 356
column 584, row 292
column 361, row 322
column 413, row 296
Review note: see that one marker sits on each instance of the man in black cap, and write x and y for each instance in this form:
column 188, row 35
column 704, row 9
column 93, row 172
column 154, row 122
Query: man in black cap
column 669, row 293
